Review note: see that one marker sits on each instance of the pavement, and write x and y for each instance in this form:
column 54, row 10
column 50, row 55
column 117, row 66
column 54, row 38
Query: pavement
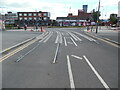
column 67, row 58
column 13, row 37
column 111, row 35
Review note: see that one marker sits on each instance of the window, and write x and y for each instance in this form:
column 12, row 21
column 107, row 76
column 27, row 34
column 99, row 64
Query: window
column 45, row 14
column 20, row 14
column 25, row 14
column 25, row 18
column 34, row 18
column 45, row 18
column 30, row 14
column 20, row 18
column 34, row 14
column 30, row 18
column 40, row 14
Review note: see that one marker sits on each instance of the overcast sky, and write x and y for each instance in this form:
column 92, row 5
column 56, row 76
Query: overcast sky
column 59, row 8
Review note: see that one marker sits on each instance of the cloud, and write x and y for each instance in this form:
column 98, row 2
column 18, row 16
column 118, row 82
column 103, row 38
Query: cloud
column 56, row 8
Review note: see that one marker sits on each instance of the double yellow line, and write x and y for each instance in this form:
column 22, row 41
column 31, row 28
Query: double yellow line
column 22, row 47
column 16, row 50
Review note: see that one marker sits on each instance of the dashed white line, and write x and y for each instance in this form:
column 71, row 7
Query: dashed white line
column 65, row 41
column 96, row 73
column 73, row 41
column 72, row 85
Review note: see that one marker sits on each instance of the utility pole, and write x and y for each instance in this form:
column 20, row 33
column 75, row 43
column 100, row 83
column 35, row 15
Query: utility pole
column 98, row 17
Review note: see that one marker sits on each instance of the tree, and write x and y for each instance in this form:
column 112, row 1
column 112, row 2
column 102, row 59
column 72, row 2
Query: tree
column 113, row 20
column 54, row 23
column 94, row 16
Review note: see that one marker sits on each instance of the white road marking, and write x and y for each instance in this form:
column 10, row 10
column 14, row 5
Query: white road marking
column 56, row 41
column 43, row 39
column 76, row 57
column 76, row 37
column 60, row 37
column 73, row 42
column 56, row 53
column 97, row 74
column 22, row 56
column 72, row 36
column 65, row 41
column 48, row 37
column 72, row 85
column 88, row 38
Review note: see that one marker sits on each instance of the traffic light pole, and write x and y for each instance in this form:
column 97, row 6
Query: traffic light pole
column 98, row 17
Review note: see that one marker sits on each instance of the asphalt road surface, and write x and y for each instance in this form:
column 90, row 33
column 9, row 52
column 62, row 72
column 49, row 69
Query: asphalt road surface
column 65, row 58
column 10, row 38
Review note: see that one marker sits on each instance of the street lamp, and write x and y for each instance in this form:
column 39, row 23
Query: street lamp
column 98, row 17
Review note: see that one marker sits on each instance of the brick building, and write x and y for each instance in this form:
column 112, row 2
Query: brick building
column 33, row 18
column 82, row 18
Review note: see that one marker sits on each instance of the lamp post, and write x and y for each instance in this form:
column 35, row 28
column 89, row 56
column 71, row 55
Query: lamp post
column 98, row 17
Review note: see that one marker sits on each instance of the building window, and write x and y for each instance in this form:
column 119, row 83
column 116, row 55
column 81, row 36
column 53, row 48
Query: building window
column 45, row 14
column 34, row 18
column 20, row 14
column 20, row 18
column 25, row 14
column 25, row 18
column 30, row 14
column 45, row 18
column 40, row 14
column 30, row 18
column 34, row 14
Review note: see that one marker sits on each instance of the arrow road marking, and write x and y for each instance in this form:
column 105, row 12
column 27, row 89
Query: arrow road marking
column 76, row 57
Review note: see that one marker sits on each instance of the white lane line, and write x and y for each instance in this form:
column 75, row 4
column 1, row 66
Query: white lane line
column 77, row 37
column 56, row 53
column 72, row 85
column 22, row 56
column 88, row 38
column 72, row 36
column 65, row 41
column 60, row 38
column 76, row 57
column 73, row 41
column 96, row 73
column 56, row 41
column 43, row 38
column 48, row 37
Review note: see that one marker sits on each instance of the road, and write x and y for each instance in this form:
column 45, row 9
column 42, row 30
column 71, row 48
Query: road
column 65, row 58
column 10, row 38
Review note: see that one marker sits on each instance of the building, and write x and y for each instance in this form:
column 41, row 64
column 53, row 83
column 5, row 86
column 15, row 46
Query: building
column 85, row 7
column 2, row 23
column 10, row 18
column 81, row 19
column 33, row 18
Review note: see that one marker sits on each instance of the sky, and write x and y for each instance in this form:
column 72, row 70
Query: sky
column 59, row 8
